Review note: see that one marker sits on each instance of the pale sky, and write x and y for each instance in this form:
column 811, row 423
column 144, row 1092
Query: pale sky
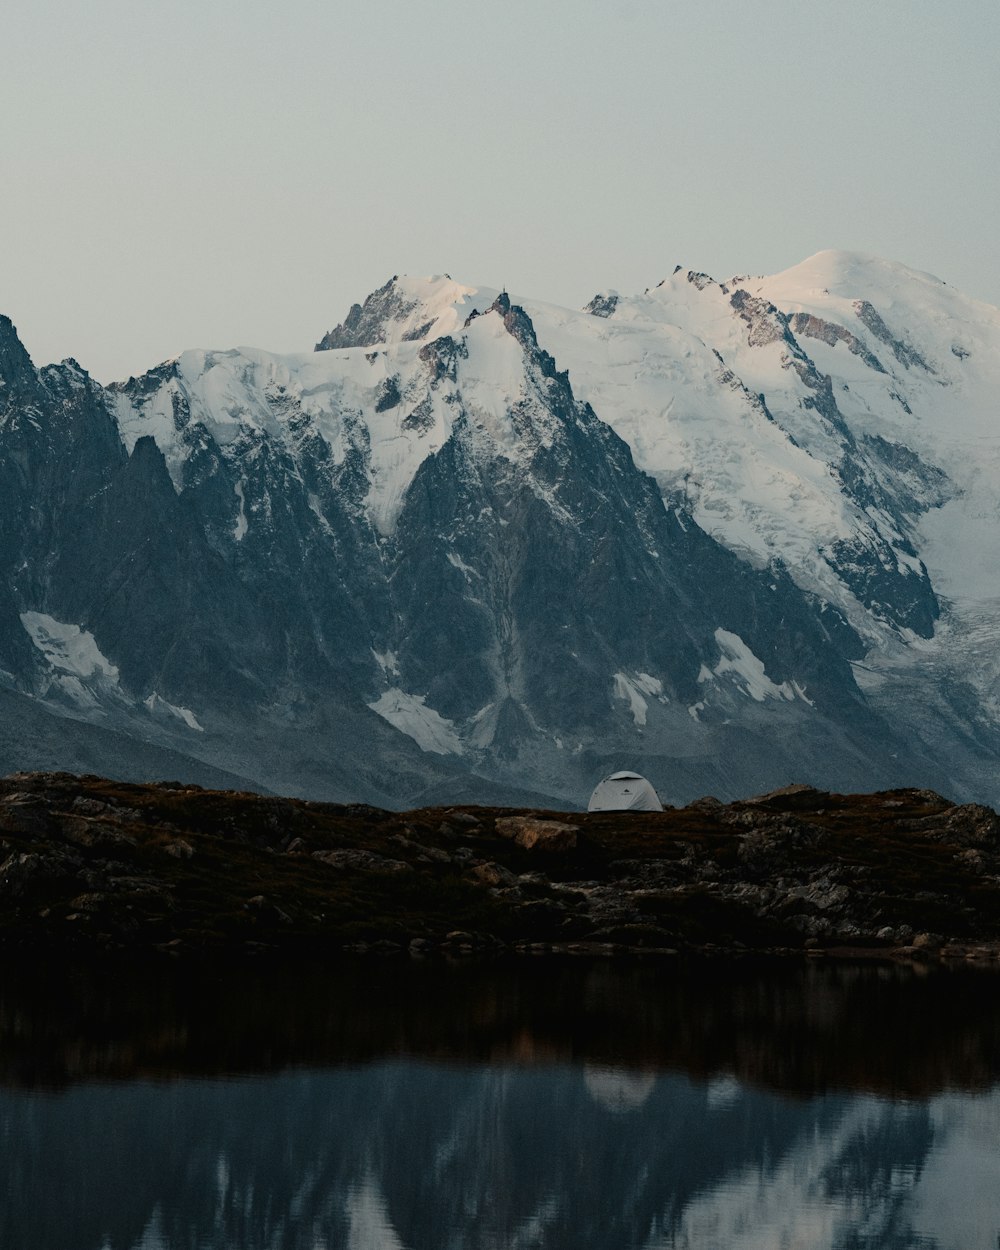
column 212, row 173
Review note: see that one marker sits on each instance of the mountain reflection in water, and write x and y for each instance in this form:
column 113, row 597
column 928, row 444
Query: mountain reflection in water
column 399, row 1106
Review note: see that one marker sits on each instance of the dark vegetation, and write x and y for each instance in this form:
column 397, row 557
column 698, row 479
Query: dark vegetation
column 93, row 865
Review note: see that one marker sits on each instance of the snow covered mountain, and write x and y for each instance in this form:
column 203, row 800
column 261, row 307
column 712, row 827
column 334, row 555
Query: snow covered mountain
column 731, row 533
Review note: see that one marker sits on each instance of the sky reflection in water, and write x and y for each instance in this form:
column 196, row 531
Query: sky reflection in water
column 524, row 1129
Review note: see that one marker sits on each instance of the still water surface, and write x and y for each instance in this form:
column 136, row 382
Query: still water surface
column 400, row 1106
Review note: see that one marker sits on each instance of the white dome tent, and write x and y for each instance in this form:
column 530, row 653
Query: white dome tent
column 624, row 792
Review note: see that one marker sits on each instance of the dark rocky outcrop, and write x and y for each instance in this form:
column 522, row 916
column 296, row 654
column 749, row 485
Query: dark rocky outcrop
column 92, row 865
column 871, row 318
column 17, row 374
column 812, row 327
column 364, row 325
column 602, row 305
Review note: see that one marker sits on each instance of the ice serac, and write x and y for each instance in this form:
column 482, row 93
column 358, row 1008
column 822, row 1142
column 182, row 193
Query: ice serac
column 726, row 533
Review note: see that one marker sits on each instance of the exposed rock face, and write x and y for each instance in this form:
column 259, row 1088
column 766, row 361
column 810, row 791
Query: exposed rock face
column 904, row 353
column 765, row 324
column 364, row 325
column 805, row 324
column 602, row 305
column 17, row 374
column 373, row 322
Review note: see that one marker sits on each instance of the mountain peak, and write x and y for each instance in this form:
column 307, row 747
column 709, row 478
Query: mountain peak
column 16, row 369
column 408, row 309
column 844, row 273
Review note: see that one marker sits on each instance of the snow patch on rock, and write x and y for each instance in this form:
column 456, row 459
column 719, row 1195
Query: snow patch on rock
column 387, row 662
column 68, row 648
column 410, row 714
column 79, row 672
column 457, row 562
column 746, row 670
column 632, row 690
column 241, row 527
column 163, row 710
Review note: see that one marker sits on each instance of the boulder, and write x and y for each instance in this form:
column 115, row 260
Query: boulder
column 493, row 874
column 363, row 861
column 179, row 849
column 973, row 825
column 540, row 835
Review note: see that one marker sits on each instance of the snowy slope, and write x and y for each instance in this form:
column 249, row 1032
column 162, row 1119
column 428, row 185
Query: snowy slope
column 720, row 405
column 761, row 476
column 943, row 363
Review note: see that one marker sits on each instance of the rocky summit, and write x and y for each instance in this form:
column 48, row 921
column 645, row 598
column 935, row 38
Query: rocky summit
column 479, row 549
column 91, row 866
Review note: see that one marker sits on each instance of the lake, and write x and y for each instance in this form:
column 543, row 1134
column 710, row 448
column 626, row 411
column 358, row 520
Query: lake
column 533, row 1103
